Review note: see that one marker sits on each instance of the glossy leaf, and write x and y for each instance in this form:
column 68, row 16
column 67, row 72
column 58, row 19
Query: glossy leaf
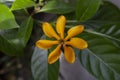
column 21, row 4
column 41, row 70
column 105, row 17
column 58, row 7
column 39, row 64
column 25, row 31
column 106, row 23
column 110, row 32
column 101, row 58
column 13, row 41
column 7, row 20
column 21, row 15
column 86, row 9
column 53, row 71
column 9, row 44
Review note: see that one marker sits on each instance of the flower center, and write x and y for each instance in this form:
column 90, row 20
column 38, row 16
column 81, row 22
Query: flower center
column 62, row 42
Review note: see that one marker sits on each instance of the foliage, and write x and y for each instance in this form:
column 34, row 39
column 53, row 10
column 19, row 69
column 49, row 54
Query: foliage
column 102, row 30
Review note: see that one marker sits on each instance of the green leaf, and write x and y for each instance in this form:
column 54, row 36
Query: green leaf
column 25, row 31
column 21, row 4
column 41, row 70
column 7, row 20
column 106, row 23
column 13, row 41
column 110, row 32
column 9, row 44
column 86, row 9
column 58, row 7
column 105, row 17
column 53, row 71
column 101, row 58
column 39, row 64
column 20, row 15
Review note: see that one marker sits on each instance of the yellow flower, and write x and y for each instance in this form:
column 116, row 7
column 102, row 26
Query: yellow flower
column 64, row 43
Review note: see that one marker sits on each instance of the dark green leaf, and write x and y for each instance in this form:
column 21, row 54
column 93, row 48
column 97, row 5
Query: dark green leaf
column 110, row 32
column 9, row 33
column 58, row 7
column 39, row 64
column 53, row 75
column 86, row 9
column 105, row 16
column 107, row 23
column 21, row 4
column 101, row 58
column 20, row 15
column 41, row 70
column 9, row 44
column 53, row 71
column 25, row 31
column 13, row 41
column 7, row 20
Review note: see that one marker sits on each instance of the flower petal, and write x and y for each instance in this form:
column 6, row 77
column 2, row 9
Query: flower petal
column 49, row 31
column 60, row 26
column 74, row 31
column 69, row 54
column 77, row 43
column 54, row 55
column 45, row 44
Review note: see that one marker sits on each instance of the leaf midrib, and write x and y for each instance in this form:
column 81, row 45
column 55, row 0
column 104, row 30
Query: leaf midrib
column 101, row 34
column 102, row 61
